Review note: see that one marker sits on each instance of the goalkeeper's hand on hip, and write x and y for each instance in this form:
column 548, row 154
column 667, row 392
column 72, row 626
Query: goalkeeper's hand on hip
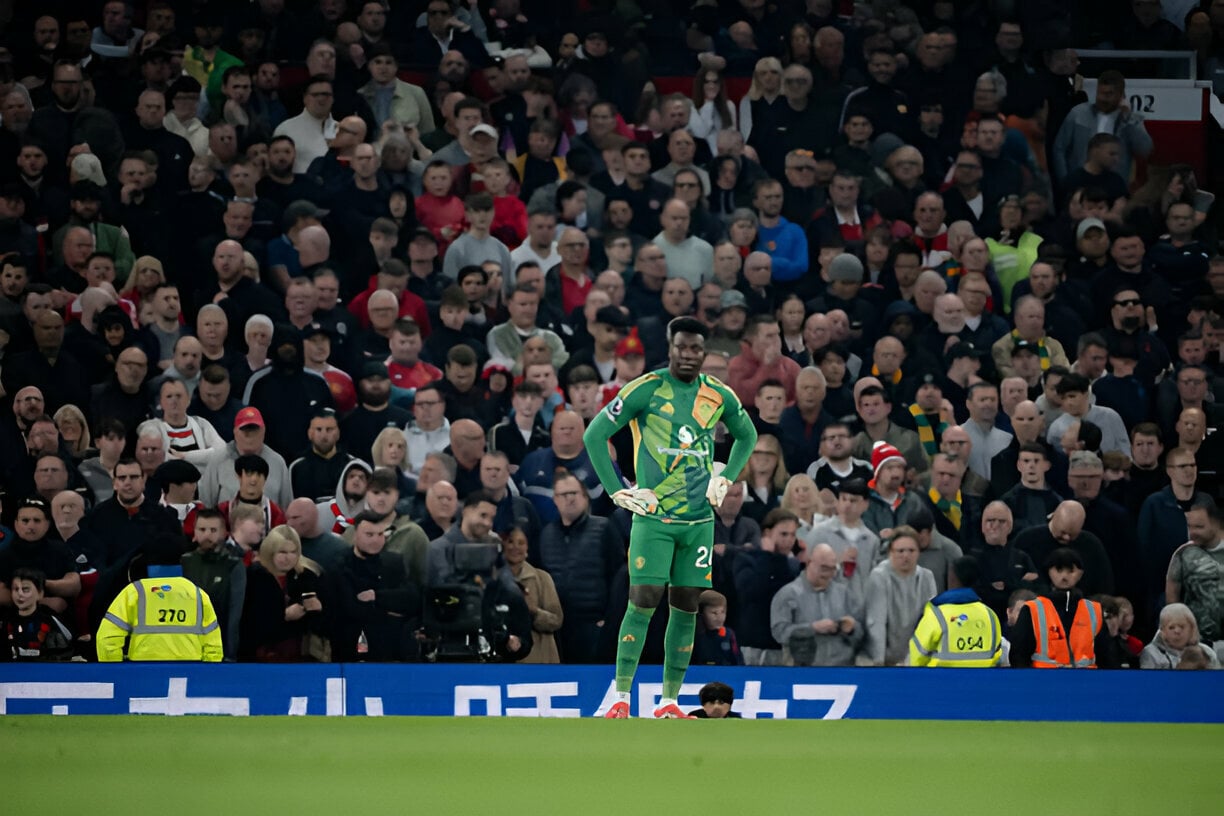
column 641, row 501
column 717, row 491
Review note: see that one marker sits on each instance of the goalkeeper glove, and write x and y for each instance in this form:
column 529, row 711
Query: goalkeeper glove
column 640, row 501
column 717, row 491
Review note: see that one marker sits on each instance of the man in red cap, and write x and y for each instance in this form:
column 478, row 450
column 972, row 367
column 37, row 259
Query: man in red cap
column 628, row 365
column 219, row 479
column 889, row 503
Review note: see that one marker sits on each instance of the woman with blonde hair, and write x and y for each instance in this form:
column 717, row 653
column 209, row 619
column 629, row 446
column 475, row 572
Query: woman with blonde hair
column 802, row 498
column 74, row 430
column 764, row 479
column 147, row 274
column 763, row 94
column 541, row 596
column 1178, row 636
column 282, row 603
column 390, row 450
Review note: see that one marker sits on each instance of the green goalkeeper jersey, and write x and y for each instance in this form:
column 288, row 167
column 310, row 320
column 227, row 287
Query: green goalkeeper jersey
column 672, row 423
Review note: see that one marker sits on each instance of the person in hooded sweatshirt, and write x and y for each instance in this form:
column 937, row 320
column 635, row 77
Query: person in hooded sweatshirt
column 289, row 392
column 897, row 592
column 1061, row 628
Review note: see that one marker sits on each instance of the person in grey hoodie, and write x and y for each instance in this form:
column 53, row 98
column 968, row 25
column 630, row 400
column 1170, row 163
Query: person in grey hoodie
column 1179, row 634
column 897, row 592
column 856, row 546
column 814, row 617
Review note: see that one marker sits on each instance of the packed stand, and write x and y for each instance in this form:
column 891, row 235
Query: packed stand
column 305, row 308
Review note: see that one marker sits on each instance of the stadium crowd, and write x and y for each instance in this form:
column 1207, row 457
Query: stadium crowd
column 312, row 297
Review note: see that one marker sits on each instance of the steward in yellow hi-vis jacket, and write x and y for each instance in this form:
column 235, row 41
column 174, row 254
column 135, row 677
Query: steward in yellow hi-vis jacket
column 957, row 630
column 160, row 619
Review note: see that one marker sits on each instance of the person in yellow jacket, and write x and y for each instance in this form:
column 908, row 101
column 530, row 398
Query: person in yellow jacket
column 957, row 630
column 163, row 618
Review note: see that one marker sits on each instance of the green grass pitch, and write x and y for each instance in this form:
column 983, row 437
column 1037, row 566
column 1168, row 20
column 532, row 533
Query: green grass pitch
column 314, row 765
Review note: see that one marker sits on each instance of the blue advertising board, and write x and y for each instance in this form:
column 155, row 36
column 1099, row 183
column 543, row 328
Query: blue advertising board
column 367, row 689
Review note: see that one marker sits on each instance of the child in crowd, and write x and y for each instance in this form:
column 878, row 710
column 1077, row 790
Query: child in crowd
column 716, row 701
column 509, row 212
column 715, row 643
column 29, row 630
column 1131, row 645
column 437, row 208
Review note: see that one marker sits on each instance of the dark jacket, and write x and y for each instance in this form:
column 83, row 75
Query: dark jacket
column 1030, row 508
column 507, row 438
column 582, row 558
column 1098, row 573
column 758, row 577
column 288, row 394
column 1161, row 530
column 125, row 534
column 266, row 634
column 388, row 623
column 800, row 441
column 222, row 575
column 1004, row 565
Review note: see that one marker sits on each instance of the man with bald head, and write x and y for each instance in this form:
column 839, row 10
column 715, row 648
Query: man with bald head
column 240, row 297
column 148, row 132
column 1028, row 425
column 1003, row 568
column 67, row 510
column 756, row 283
column 186, row 363
column 815, row 618
column 333, row 169
column 1066, row 529
column 60, row 377
column 319, row 545
column 688, row 257
column 535, row 474
column 75, row 249
column 441, row 506
column 313, row 244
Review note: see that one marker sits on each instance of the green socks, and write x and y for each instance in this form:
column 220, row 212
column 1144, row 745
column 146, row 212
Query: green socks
column 677, row 650
column 629, row 647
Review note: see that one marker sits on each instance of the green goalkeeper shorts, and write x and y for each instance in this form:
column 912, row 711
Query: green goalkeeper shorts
column 676, row 554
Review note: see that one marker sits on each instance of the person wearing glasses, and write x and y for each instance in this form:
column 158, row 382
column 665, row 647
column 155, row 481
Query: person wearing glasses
column 313, row 129
column 1132, row 316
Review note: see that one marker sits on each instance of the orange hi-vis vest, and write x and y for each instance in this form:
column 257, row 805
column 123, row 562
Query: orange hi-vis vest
column 1057, row 650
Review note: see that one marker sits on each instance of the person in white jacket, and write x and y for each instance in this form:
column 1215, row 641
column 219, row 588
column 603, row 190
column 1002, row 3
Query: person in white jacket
column 897, row 591
column 187, row 437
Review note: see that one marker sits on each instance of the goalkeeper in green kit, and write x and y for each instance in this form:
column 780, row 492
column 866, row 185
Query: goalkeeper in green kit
column 672, row 414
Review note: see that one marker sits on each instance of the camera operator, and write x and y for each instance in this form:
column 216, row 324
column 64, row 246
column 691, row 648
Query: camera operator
column 468, row 557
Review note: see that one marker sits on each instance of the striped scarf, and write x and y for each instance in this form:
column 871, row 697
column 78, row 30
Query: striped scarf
column 926, row 434
column 950, row 509
column 1042, row 351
